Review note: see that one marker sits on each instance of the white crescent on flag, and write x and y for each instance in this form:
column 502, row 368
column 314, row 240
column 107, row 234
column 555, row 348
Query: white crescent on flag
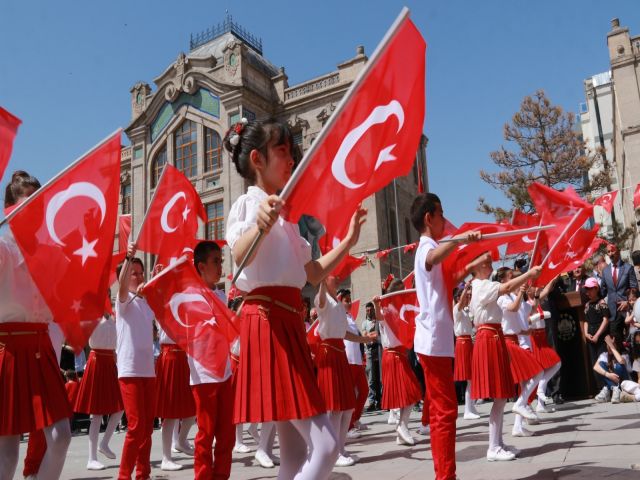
column 165, row 211
column 178, row 299
column 77, row 189
column 405, row 308
column 526, row 239
column 379, row 114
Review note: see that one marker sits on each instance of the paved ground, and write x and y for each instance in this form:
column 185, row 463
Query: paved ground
column 581, row 440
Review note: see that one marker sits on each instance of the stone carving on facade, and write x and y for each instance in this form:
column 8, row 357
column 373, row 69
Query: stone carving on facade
column 325, row 113
column 182, row 82
column 125, row 177
column 231, row 58
column 298, row 124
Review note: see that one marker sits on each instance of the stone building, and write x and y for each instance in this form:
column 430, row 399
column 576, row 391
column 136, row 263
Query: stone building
column 624, row 56
column 223, row 78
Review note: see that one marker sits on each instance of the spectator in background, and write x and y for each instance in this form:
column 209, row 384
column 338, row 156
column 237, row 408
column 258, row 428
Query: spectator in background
column 598, row 266
column 577, row 282
column 631, row 323
column 597, row 315
column 370, row 325
column 635, row 259
column 617, row 278
column 613, row 366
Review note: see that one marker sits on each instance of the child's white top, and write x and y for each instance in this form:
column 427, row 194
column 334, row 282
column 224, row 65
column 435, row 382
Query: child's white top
column 282, row 253
column 352, row 349
column 134, row 328
column 104, row 336
column 197, row 373
column 462, row 323
column 387, row 337
column 163, row 337
column 510, row 320
column 484, row 302
column 20, row 299
column 434, row 324
column 332, row 319
column 524, row 311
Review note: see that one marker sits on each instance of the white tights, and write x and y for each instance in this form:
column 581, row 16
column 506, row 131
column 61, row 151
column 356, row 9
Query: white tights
column 526, row 389
column 181, row 431
column 496, row 418
column 405, row 413
column 308, row 448
column 469, row 406
column 340, row 422
column 267, row 438
column 94, row 432
column 58, row 438
column 546, row 376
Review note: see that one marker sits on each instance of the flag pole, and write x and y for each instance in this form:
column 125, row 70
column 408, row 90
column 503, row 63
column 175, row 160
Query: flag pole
column 297, row 173
column 56, row 177
column 535, row 245
column 491, row 236
column 399, row 292
column 566, row 229
column 132, row 234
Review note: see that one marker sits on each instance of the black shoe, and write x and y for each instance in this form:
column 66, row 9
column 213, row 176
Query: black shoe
column 371, row 408
column 558, row 400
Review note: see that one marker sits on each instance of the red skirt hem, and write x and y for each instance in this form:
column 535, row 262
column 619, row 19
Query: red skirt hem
column 99, row 391
column 334, row 376
column 546, row 356
column 523, row 364
column 490, row 372
column 463, row 358
column 173, row 393
column 400, row 386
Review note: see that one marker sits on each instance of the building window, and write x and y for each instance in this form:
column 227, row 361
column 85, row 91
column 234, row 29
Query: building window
column 126, row 198
column 158, row 165
column 215, row 221
column 297, row 138
column 248, row 114
column 213, row 151
column 186, row 151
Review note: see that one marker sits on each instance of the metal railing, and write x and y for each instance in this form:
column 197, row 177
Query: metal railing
column 226, row 26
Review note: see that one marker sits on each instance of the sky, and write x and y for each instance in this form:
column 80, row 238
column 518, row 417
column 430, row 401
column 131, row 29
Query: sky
column 68, row 67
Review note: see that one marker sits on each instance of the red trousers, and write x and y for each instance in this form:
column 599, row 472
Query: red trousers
column 443, row 412
column 425, row 409
column 36, row 448
column 138, row 396
column 361, row 385
column 214, row 414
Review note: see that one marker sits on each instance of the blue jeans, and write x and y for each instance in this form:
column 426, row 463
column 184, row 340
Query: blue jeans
column 619, row 370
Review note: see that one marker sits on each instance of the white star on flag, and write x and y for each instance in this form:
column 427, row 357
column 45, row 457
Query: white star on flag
column 76, row 306
column 87, row 250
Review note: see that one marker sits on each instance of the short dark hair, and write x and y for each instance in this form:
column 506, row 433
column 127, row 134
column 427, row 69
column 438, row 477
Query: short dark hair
column 369, row 305
column 343, row 292
column 134, row 260
column 501, row 273
column 203, row 250
column 20, row 182
column 635, row 258
column 423, row 204
column 234, row 304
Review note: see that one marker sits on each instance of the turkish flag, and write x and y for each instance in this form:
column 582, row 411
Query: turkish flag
column 116, row 259
column 171, row 222
column 606, row 200
column 192, row 315
column 347, row 266
column 399, row 310
column 525, row 243
column 8, row 128
column 551, row 203
column 636, row 197
column 124, row 232
column 370, row 139
column 411, row 247
column 383, row 253
column 408, row 280
column 66, row 231
column 355, row 307
column 589, row 252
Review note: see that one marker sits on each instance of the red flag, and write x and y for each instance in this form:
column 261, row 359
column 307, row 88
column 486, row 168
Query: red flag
column 408, row 280
column 551, row 203
column 8, row 128
column 606, row 200
column 313, row 338
column 347, row 266
column 387, row 282
column 399, row 310
column 192, row 315
column 411, row 247
column 370, row 139
column 124, row 232
column 355, row 307
column 526, row 243
column 636, row 197
column 171, row 221
column 65, row 232
column 383, row 253
column 116, row 259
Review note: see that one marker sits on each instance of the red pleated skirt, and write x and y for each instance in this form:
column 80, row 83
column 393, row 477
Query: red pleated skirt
column 523, row 364
column 400, row 386
column 275, row 378
column 32, row 393
column 173, row 393
column 334, row 376
column 546, row 356
column 99, row 391
column 235, row 360
column 490, row 371
column 463, row 358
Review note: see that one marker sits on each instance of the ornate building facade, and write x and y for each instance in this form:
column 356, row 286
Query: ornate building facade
column 224, row 77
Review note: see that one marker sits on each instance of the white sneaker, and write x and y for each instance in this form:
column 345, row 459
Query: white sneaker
column 361, row 426
column 353, row 434
column 241, row 448
column 263, row 459
column 544, row 399
column 169, row 466
column 542, row 408
column 344, row 461
column 523, row 432
column 533, row 422
column 186, row 449
column 603, row 396
column 404, row 436
column 394, row 417
column 523, row 412
column 106, row 451
column 500, row 455
column 423, row 430
column 94, row 465
column 615, row 396
column 511, row 449
column 471, row 416
column 253, row 431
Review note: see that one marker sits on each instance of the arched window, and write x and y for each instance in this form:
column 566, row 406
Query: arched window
column 186, row 149
column 125, row 193
column 158, row 164
column 212, row 151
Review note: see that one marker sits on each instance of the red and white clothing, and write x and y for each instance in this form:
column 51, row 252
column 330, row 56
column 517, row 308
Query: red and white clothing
column 491, row 373
column 546, row 356
column 99, row 391
column 276, row 380
column 358, row 373
column 463, row 328
column 134, row 346
column 334, row 375
column 32, row 392
column 433, row 342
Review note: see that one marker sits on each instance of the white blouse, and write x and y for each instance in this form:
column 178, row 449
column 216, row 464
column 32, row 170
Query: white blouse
column 332, row 319
column 387, row 338
column 510, row 320
column 104, row 336
column 462, row 322
column 484, row 302
column 282, row 254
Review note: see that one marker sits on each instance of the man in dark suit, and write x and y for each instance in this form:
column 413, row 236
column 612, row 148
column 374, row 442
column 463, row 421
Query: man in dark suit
column 617, row 278
column 576, row 283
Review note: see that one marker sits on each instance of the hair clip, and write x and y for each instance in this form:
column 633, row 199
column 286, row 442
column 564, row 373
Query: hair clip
column 237, row 129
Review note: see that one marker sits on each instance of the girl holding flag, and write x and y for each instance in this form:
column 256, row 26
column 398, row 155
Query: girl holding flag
column 276, row 381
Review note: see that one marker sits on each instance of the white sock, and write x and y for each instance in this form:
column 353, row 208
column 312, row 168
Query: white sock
column 239, row 433
column 546, row 376
column 185, row 428
column 526, row 389
column 495, row 424
column 168, row 424
column 58, row 438
column 517, row 423
column 94, row 432
column 469, row 406
column 9, row 451
column 267, row 438
column 405, row 413
column 114, row 419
